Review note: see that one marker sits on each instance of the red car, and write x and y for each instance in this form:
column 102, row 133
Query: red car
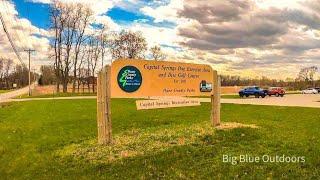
column 277, row 91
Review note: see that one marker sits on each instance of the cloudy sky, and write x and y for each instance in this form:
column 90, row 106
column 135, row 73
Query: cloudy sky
column 250, row 38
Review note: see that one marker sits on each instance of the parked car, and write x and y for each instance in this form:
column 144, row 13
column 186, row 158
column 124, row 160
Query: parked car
column 276, row 91
column 318, row 88
column 253, row 91
column 310, row 91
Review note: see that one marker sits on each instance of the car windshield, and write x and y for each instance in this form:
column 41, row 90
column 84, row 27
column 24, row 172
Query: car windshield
column 257, row 88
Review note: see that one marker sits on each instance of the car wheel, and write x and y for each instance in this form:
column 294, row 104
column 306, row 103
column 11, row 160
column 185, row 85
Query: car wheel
column 277, row 94
column 256, row 95
column 281, row 95
column 270, row 95
column 247, row 95
column 241, row 95
column 263, row 96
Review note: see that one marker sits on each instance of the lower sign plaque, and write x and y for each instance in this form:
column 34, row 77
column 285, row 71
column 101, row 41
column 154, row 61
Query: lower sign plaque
column 166, row 103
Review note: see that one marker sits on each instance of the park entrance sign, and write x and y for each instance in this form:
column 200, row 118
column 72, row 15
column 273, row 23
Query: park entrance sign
column 142, row 78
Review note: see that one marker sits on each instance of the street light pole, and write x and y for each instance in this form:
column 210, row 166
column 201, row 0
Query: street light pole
column 29, row 53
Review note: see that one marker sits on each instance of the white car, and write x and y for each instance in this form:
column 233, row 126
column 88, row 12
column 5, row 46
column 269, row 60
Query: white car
column 310, row 91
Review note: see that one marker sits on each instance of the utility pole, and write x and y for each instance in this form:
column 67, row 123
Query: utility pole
column 29, row 52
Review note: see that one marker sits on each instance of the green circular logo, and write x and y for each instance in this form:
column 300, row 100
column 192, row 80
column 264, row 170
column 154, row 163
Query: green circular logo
column 129, row 79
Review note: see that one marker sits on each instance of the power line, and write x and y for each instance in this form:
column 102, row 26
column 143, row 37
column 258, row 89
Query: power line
column 13, row 31
column 10, row 40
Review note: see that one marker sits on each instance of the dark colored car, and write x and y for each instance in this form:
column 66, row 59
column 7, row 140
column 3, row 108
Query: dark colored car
column 317, row 88
column 276, row 91
column 253, row 91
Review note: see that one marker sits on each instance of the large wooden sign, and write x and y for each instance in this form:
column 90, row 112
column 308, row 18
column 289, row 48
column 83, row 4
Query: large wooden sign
column 141, row 78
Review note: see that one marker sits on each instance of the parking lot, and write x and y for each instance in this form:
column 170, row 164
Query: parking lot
column 301, row 100
column 298, row 100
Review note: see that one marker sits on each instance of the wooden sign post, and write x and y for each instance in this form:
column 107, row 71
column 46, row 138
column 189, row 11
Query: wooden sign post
column 143, row 78
column 215, row 100
column 104, row 106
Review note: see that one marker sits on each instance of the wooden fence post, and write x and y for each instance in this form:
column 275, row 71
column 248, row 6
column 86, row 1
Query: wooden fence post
column 215, row 100
column 104, row 106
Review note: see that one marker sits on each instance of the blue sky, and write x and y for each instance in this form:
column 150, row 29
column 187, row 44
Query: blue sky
column 265, row 37
column 122, row 16
column 38, row 14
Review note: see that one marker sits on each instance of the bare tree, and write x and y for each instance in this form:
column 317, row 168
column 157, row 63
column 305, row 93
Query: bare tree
column 7, row 67
column 68, row 35
column 58, row 21
column 47, row 75
column 82, row 20
column 1, row 71
column 128, row 44
column 20, row 76
column 157, row 53
column 103, row 43
column 95, row 51
column 82, row 72
column 10, row 74
column 307, row 74
column 69, row 22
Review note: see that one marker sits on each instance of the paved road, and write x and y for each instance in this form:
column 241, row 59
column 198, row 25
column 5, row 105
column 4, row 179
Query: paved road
column 299, row 100
column 55, row 98
column 7, row 96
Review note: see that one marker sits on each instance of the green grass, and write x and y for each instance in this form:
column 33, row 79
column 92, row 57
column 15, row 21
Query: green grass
column 4, row 91
column 56, row 139
column 56, row 95
column 226, row 96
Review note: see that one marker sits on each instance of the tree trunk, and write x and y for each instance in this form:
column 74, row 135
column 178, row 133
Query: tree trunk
column 78, row 88
column 74, row 84
column 93, row 83
column 74, row 76
column 58, row 87
column 65, row 86
column 88, row 85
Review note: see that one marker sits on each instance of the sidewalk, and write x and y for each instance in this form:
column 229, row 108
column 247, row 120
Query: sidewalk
column 53, row 98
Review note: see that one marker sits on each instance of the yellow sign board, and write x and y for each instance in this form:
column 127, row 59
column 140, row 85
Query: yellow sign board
column 166, row 103
column 141, row 78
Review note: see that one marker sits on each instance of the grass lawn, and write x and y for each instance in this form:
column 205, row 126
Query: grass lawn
column 57, row 139
column 56, row 95
column 4, row 91
column 226, row 96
